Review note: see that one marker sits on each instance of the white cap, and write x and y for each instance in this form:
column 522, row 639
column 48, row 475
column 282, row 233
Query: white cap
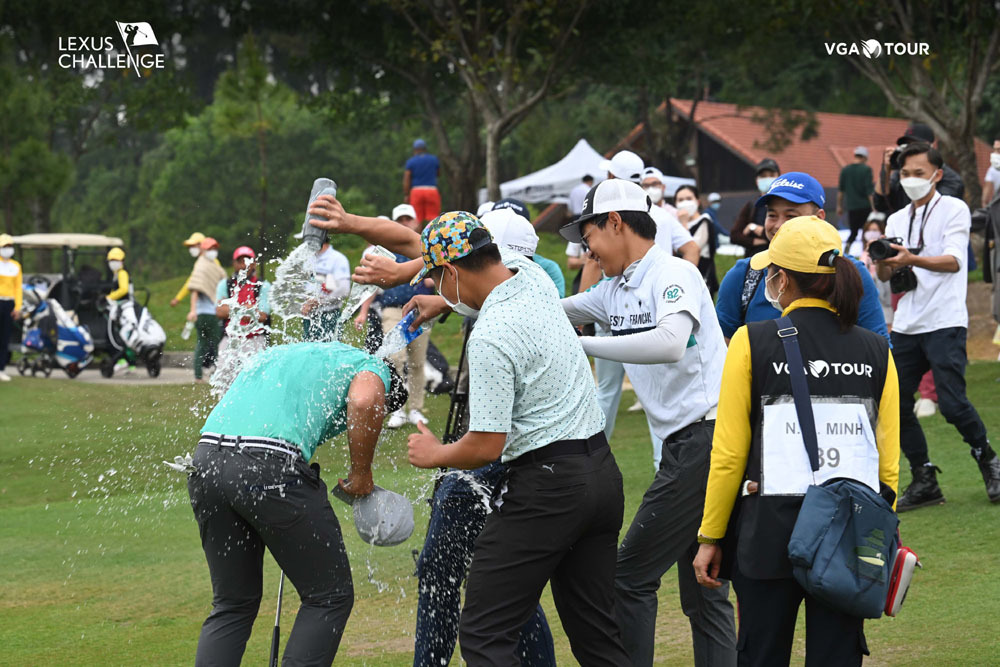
column 861, row 150
column 511, row 231
column 383, row 217
column 714, row 196
column 625, row 165
column 484, row 208
column 611, row 195
column 651, row 172
column 404, row 209
column 383, row 518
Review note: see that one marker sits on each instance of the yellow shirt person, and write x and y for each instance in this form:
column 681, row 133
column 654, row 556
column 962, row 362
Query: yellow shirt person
column 10, row 299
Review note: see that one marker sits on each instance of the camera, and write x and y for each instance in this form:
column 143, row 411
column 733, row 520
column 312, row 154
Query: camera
column 903, row 280
column 894, row 158
column 881, row 249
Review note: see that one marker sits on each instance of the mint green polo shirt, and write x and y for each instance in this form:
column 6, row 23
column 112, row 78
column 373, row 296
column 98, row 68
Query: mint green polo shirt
column 296, row 393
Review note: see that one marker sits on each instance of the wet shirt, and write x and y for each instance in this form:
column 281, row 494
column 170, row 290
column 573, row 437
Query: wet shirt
column 528, row 375
column 296, row 393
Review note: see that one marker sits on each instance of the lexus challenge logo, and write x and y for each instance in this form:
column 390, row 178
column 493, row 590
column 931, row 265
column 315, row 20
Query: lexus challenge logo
column 874, row 49
column 102, row 52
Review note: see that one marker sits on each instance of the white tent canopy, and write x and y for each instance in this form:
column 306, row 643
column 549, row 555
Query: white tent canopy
column 553, row 183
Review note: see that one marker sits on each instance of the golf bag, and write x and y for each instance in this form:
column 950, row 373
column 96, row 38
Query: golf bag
column 52, row 338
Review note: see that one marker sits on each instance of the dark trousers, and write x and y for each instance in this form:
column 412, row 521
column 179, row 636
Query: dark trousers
column 206, row 348
column 558, row 520
column 663, row 532
column 457, row 517
column 6, row 330
column 856, row 219
column 246, row 500
column 943, row 353
column 768, row 609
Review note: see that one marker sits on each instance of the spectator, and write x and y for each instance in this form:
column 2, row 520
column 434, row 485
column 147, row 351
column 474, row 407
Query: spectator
column 414, row 356
column 10, row 299
column 193, row 244
column 331, row 283
column 889, row 195
column 741, row 297
column 420, row 180
column 714, row 204
column 203, row 284
column 931, row 321
column 991, row 181
column 247, row 293
column 524, row 239
column 873, row 230
column 122, row 291
column 855, row 192
column 655, row 184
column 699, row 226
column 576, row 195
column 748, row 227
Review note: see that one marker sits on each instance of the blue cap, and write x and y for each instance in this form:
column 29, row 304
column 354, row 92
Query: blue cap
column 420, row 143
column 795, row 186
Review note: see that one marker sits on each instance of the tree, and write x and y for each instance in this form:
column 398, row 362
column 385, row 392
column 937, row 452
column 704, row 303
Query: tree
column 943, row 88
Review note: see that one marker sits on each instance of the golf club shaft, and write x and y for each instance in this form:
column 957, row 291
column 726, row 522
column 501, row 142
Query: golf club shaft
column 277, row 624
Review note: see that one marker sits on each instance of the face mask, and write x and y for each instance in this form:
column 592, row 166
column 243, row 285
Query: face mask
column 764, row 184
column 715, row 206
column 115, row 266
column 873, row 235
column 459, row 307
column 212, row 254
column 774, row 301
column 6, row 253
column 916, row 188
column 194, row 250
column 655, row 193
column 689, row 205
column 995, row 160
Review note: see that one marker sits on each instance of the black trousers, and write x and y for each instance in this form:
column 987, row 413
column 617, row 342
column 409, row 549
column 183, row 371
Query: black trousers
column 943, row 353
column 6, row 330
column 246, row 500
column 768, row 609
column 557, row 520
column 856, row 219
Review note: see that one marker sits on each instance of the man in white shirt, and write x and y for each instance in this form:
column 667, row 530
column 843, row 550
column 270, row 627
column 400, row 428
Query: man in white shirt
column 991, row 181
column 932, row 320
column 664, row 329
column 577, row 194
column 331, row 283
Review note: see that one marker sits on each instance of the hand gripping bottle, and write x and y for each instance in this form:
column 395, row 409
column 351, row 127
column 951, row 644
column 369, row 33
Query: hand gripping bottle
column 312, row 235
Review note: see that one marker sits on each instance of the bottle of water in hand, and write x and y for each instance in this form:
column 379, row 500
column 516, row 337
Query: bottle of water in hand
column 188, row 328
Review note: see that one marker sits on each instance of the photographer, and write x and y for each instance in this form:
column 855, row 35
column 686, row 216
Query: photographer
column 889, row 196
column 924, row 260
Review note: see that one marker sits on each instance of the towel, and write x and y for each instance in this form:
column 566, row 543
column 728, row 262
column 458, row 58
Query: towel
column 205, row 276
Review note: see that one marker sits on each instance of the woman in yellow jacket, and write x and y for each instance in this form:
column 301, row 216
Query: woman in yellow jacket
column 758, row 453
column 116, row 262
column 10, row 299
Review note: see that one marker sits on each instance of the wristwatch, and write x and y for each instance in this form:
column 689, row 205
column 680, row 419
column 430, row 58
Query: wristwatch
column 708, row 540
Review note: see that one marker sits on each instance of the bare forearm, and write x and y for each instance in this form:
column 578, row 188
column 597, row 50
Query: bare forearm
column 941, row 263
column 690, row 251
column 387, row 233
column 575, row 263
column 473, row 450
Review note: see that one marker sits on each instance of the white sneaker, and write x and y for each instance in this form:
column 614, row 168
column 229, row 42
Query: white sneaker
column 396, row 419
column 122, row 365
column 636, row 407
column 417, row 416
column 924, row 407
column 4, row 377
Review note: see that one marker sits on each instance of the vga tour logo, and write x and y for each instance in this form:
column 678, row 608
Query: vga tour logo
column 101, row 52
column 874, row 49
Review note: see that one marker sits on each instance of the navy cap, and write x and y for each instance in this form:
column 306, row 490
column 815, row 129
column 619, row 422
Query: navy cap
column 795, row 186
column 515, row 205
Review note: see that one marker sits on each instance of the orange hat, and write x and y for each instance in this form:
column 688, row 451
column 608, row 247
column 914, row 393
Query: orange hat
column 209, row 243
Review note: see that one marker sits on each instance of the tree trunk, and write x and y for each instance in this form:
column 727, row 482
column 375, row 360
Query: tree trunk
column 962, row 153
column 493, row 138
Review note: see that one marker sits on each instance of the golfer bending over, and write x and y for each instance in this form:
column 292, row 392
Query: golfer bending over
column 253, row 487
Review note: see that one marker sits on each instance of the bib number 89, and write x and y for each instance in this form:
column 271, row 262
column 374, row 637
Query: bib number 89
column 829, row 457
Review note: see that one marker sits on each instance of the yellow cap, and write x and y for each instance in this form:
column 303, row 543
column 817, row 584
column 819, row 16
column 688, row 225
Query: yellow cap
column 116, row 254
column 194, row 239
column 6, row 239
column 799, row 245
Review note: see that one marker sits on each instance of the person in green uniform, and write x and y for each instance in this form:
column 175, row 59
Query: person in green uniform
column 252, row 486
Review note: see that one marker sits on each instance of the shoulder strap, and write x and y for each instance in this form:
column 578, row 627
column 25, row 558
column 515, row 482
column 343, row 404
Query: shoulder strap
column 750, row 282
column 789, row 336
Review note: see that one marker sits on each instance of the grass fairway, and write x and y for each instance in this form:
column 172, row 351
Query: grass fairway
column 101, row 563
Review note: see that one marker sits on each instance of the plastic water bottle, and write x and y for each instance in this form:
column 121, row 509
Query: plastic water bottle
column 312, row 235
column 188, row 328
column 361, row 293
column 400, row 336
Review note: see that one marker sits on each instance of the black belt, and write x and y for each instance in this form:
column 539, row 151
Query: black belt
column 560, row 448
column 253, row 442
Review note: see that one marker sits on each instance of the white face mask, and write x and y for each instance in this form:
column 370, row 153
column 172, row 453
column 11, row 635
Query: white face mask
column 916, row 188
column 873, row 235
column 655, row 193
column 458, row 306
column 115, row 266
column 7, row 252
column 689, row 205
column 773, row 300
column 764, row 183
column 194, row 250
column 211, row 254
column 995, row 160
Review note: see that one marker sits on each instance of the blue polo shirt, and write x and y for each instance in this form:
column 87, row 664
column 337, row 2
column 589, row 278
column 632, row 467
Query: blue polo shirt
column 728, row 307
column 400, row 295
column 423, row 170
column 296, row 393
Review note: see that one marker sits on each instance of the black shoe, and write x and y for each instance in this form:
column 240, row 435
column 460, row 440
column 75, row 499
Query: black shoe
column 923, row 490
column 991, row 475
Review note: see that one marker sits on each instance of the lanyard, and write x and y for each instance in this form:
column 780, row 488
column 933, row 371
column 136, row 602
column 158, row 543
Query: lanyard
column 928, row 209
